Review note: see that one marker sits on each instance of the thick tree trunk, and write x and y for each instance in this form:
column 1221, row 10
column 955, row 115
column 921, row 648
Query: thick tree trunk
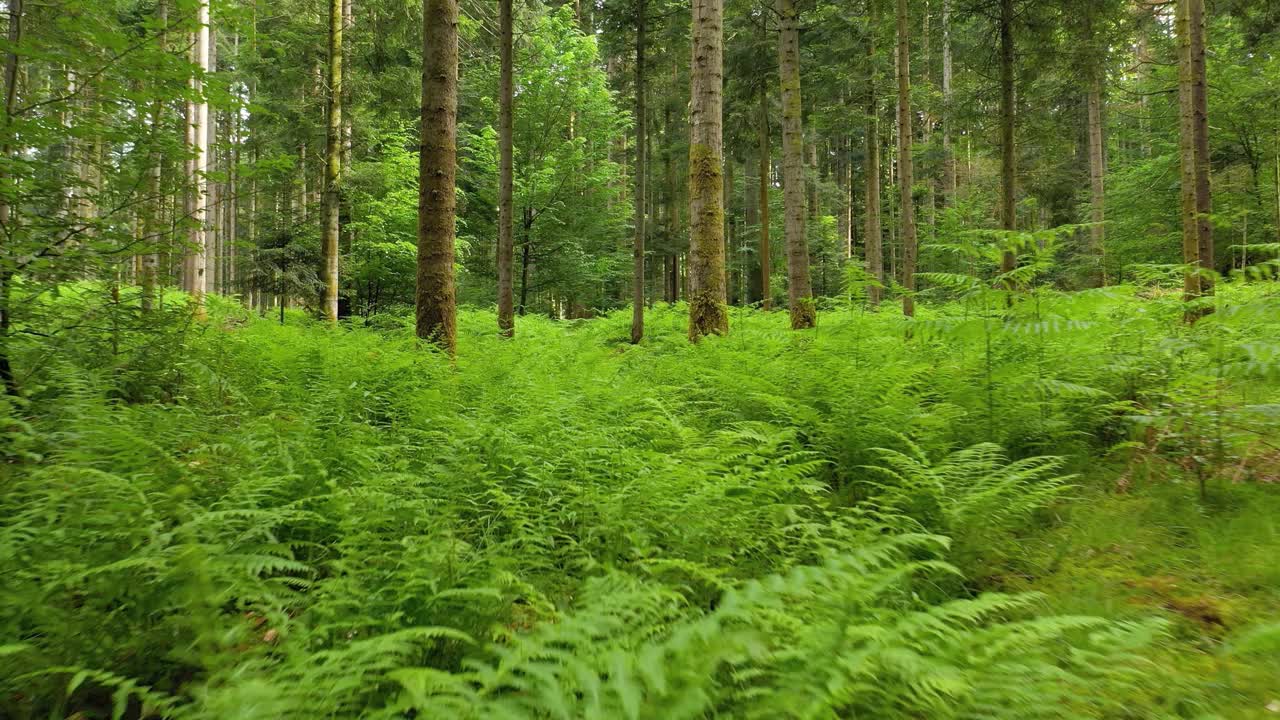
column 437, row 169
column 642, row 172
column 198, row 141
column 799, row 290
column 8, row 191
column 333, row 164
column 874, row 238
column 1008, row 153
column 766, row 252
column 708, row 311
column 905, row 162
column 506, row 172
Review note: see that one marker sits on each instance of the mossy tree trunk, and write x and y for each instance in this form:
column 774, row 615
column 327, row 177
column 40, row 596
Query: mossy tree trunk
column 799, row 289
column 437, row 169
column 708, row 311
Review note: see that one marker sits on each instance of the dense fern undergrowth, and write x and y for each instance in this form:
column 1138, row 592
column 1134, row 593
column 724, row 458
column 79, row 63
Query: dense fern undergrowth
column 238, row 519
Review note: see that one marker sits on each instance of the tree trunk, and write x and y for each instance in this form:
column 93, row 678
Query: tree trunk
column 1097, row 174
column 874, row 240
column 436, row 304
column 152, row 227
column 506, row 173
column 948, row 152
column 1187, row 155
column 1008, row 157
column 905, row 162
column 198, row 140
column 8, row 191
column 708, row 312
column 1200, row 115
column 642, row 173
column 766, row 252
column 799, row 290
column 333, row 164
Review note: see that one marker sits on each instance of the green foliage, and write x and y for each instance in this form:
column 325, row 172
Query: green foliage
column 291, row 521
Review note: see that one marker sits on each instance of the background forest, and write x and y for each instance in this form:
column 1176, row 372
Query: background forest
column 428, row 359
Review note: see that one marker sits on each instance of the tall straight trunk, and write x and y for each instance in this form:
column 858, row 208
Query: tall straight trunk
column 708, row 311
column 506, row 173
column 948, row 152
column 1097, row 174
column 152, row 225
column 729, row 224
column 198, row 141
column 1200, row 127
column 8, row 191
column 926, row 132
column 874, row 238
column 642, row 173
column 799, row 290
column 905, row 163
column 766, row 252
column 1008, row 156
column 1187, row 156
column 233, row 199
column 436, row 304
column 213, row 202
column 333, row 164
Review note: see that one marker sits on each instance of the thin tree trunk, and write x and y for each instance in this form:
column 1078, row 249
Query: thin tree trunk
column 1200, row 115
column 198, row 141
column 874, row 240
column 436, row 303
column 1187, row 155
column 766, row 252
column 1008, row 156
column 152, row 231
column 8, row 192
column 905, row 162
column 506, row 171
column 642, row 165
column 948, row 152
column 708, row 312
column 799, row 290
column 333, row 164
column 1097, row 174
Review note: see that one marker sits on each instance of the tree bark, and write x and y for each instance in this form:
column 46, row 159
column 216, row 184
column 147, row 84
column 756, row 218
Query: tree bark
column 642, row 173
column 8, row 192
column 1200, row 126
column 1008, row 153
column 436, row 303
column 948, row 152
column 198, row 140
column 708, row 312
column 905, row 162
column 506, row 172
column 799, row 289
column 152, row 226
column 333, row 164
column 766, row 252
column 874, row 238
column 1097, row 175
column 1187, row 156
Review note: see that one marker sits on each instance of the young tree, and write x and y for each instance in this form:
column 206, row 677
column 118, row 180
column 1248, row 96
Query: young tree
column 1008, row 153
column 708, row 311
column 506, row 170
column 905, row 164
column 799, row 290
column 436, row 304
column 333, row 164
column 948, row 152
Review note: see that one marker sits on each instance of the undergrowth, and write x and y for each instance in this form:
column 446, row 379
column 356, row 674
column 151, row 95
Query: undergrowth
column 238, row 519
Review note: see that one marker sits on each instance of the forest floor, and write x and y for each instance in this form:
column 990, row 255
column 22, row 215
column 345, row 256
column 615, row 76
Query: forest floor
column 994, row 515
